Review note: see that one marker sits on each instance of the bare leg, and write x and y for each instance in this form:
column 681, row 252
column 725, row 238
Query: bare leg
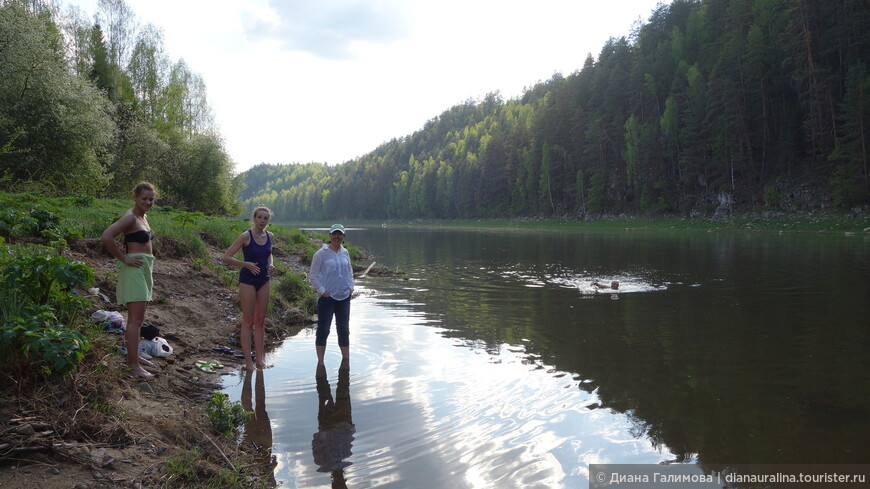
column 135, row 316
column 260, row 309
column 345, row 352
column 321, row 351
column 248, row 298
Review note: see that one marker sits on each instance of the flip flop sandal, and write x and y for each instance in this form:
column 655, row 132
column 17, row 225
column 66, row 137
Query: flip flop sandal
column 204, row 366
column 223, row 349
column 215, row 364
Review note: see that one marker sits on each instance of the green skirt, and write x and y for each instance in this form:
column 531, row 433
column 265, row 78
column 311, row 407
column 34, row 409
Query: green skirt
column 135, row 283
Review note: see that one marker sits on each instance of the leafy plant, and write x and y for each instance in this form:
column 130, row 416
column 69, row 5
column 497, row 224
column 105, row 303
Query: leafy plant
column 70, row 308
column 44, row 219
column 188, row 219
column 226, row 417
column 38, row 310
column 37, row 334
column 12, row 220
column 82, row 200
column 38, row 275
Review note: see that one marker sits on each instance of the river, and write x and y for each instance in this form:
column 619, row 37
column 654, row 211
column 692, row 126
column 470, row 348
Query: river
column 493, row 363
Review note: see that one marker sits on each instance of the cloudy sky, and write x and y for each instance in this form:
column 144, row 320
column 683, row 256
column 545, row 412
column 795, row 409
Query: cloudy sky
column 295, row 81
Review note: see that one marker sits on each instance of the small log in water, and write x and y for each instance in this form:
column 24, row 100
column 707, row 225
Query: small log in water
column 367, row 269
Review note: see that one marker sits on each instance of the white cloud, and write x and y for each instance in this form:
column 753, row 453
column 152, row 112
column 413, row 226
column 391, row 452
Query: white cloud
column 330, row 80
column 328, row 29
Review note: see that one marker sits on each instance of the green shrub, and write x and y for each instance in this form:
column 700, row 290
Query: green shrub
column 225, row 231
column 38, row 311
column 44, row 220
column 226, row 417
column 293, row 287
column 354, row 252
column 294, row 291
column 82, row 200
column 188, row 219
column 298, row 237
column 39, row 275
column 14, row 223
column 36, row 336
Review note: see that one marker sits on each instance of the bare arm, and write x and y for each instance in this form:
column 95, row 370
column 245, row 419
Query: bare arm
column 108, row 240
column 229, row 258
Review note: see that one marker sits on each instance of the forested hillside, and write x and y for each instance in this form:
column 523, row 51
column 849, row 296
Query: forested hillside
column 94, row 105
column 709, row 105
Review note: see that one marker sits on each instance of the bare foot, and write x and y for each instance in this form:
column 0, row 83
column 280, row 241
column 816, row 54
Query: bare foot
column 261, row 366
column 148, row 363
column 141, row 372
column 249, row 366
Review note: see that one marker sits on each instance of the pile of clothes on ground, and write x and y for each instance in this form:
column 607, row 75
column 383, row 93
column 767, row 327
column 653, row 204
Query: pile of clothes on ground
column 151, row 343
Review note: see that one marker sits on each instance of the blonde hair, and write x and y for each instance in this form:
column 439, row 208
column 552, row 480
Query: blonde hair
column 259, row 208
column 143, row 187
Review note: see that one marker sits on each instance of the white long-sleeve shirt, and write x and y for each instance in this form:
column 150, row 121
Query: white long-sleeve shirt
column 332, row 272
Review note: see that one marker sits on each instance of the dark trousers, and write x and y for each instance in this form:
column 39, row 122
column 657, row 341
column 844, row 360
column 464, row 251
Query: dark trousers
column 326, row 308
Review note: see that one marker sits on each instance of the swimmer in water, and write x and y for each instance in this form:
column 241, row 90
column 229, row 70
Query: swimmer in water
column 613, row 285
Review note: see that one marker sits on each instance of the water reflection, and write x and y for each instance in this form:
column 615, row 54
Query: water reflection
column 258, row 430
column 488, row 367
column 741, row 347
column 331, row 445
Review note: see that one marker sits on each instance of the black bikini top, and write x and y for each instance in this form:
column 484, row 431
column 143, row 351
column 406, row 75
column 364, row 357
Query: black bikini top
column 140, row 236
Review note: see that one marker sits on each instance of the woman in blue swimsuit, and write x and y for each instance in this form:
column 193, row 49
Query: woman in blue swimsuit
column 254, row 282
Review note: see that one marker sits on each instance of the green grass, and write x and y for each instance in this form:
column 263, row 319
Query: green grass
column 88, row 218
column 179, row 233
column 192, row 470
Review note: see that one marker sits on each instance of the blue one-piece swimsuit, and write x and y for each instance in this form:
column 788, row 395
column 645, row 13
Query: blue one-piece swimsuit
column 258, row 254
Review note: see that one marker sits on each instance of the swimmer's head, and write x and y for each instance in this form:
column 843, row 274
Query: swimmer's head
column 614, row 285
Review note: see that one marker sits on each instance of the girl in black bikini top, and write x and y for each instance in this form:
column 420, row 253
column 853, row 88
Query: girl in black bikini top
column 140, row 236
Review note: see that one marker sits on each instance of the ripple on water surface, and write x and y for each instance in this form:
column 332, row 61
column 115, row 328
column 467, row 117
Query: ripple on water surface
column 428, row 411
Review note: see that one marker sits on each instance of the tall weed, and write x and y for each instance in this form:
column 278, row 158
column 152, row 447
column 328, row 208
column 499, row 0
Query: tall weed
column 39, row 314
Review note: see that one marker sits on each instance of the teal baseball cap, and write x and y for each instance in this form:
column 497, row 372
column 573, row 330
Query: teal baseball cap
column 336, row 227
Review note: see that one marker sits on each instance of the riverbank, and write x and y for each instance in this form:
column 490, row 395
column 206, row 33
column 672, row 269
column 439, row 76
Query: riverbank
column 811, row 223
column 100, row 426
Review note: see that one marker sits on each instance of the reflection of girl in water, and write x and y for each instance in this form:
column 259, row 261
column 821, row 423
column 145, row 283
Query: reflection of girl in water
column 258, row 430
column 332, row 443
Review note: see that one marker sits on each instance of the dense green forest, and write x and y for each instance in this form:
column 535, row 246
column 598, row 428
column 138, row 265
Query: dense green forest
column 92, row 106
column 709, row 106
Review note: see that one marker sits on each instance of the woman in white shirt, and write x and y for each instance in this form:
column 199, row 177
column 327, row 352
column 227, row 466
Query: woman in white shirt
column 331, row 275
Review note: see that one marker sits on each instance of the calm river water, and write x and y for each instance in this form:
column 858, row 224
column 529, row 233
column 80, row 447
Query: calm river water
column 494, row 364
